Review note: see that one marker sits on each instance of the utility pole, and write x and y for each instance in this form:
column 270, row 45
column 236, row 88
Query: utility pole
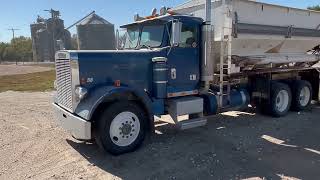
column 13, row 31
column 12, row 43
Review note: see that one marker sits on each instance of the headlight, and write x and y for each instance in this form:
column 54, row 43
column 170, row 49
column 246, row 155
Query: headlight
column 80, row 92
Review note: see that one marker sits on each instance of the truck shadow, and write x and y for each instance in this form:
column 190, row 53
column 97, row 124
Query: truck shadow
column 229, row 147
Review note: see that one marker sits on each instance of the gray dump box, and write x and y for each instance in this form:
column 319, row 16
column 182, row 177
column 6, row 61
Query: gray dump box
column 260, row 33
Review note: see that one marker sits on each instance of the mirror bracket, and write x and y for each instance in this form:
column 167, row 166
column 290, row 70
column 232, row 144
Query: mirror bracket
column 175, row 32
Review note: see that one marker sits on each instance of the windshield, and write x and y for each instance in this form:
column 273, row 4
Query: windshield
column 150, row 36
column 132, row 38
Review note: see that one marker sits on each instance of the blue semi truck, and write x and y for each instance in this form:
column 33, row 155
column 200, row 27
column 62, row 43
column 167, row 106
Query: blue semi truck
column 170, row 64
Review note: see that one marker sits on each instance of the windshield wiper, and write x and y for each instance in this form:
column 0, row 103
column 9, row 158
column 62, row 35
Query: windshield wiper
column 145, row 46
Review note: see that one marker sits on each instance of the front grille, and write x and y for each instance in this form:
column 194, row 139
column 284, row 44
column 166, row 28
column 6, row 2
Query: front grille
column 64, row 83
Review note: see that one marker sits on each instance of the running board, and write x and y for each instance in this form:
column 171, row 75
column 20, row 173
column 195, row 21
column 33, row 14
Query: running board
column 192, row 123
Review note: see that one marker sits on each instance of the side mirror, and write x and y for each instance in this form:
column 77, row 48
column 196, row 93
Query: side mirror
column 175, row 32
column 117, row 39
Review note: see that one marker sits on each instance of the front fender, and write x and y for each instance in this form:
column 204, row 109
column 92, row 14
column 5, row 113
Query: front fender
column 88, row 105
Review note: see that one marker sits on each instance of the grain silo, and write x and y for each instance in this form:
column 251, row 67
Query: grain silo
column 45, row 51
column 49, row 36
column 95, row 33
column 35, row 40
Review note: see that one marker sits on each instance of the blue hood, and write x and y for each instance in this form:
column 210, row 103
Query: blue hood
column 132, row 67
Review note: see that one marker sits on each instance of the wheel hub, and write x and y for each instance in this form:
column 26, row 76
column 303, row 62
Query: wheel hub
column 304, row 97
column 282, row 100
column 126, row 129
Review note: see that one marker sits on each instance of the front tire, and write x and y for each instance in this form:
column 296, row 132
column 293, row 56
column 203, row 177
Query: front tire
column 280, row 99
column 121, row 127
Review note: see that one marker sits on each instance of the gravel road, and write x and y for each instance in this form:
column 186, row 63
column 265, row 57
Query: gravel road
column 232, row 146
column 21, row 69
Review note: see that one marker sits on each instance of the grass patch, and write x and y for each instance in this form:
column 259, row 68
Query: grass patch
column 49, row 65
column 39, row 81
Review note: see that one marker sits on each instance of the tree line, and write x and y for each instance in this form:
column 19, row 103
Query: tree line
column 316, row 8
column 19, row 49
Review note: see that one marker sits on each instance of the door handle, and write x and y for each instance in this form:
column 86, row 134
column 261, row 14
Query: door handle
column 173, row 73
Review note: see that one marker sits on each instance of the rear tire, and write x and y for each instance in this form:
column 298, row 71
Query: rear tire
column 121, row 127
column 301, row 95
column 280, row 99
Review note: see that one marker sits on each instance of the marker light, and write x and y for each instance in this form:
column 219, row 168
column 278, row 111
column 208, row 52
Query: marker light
column 117, row 83
column 83, row 81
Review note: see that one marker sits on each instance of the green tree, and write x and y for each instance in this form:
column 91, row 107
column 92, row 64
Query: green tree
column 23, row 48
column 316, row 8
column 19, row 49
column 3, row 47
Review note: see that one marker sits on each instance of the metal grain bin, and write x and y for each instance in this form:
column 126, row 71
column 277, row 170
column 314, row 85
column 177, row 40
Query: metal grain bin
column 49, row 36
column 34, row 36
column 45, row 49
column 95, row 33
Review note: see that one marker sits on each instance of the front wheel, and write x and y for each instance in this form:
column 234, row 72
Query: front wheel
column 121, row 127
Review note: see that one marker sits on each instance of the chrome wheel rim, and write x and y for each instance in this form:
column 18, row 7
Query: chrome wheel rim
column 124, row 129
column 282, row 100
column 304, row 97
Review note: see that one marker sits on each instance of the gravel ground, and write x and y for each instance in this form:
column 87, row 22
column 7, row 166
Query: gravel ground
column 20, row 69
column 232, row 146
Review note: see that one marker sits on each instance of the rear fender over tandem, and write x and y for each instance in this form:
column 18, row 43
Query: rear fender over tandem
column 105, row 95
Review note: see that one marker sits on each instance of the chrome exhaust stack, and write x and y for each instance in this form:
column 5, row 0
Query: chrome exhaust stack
column 207, row 56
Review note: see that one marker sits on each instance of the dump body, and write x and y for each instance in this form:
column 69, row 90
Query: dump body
column 259, row 29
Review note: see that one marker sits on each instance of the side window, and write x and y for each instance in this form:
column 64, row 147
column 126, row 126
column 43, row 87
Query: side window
column 188, row 36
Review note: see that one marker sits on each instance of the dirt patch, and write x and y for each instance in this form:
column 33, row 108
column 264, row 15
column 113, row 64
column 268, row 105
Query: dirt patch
column 232, row 146
column 21, row 69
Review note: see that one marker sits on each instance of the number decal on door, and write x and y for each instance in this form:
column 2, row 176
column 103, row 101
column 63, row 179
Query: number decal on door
column 193, row 77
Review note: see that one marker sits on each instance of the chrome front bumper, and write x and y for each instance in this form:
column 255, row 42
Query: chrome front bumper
column 78, row 127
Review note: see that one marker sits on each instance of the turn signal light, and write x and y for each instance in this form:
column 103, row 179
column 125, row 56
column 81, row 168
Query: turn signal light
column 83, row 81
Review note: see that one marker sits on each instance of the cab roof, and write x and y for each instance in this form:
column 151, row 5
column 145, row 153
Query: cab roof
column 166, row 18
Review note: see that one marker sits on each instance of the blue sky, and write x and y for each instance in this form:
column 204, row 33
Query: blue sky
column 20, row 13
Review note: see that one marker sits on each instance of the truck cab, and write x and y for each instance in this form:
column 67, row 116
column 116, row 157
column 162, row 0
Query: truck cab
column 154, row 67
column 155, row 35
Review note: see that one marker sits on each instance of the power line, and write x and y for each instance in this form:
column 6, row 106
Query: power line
column 13, row 31
column 13, row 44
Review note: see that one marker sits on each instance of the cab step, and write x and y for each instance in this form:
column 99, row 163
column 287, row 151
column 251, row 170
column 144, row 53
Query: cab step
column 191, row 106
column 191, row 123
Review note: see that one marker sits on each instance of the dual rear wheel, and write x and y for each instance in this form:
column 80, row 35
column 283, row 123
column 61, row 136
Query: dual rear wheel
column 302, row 95
column 283, row 97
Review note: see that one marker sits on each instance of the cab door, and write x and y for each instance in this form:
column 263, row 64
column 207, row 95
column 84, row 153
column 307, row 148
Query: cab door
column 184, row 62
